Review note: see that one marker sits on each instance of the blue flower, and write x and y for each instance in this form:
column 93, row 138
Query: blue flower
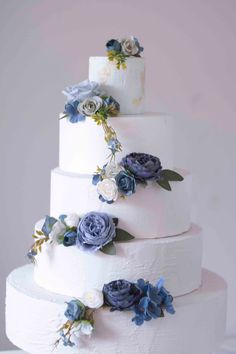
column 94, row 231
column 121, row 295
column 96, row 178
column 82, row 91
column 113, row 45
column 155, row 299
column 126, row 183
column 71, row 110
column 142, row 166
column 70, row 238
column 114, row 145
column 48, row 225
column 75, row 310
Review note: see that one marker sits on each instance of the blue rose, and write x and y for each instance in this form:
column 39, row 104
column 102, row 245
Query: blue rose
column 71, row 110
column 94, row 231
column 142, row 166
column 113, row 45
column 75, row 310
column 70, row 238
column 121, row 295
column 82, row 91
column 126, row 183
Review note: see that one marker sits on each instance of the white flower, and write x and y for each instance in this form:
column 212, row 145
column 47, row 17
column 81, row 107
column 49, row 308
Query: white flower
column 93, row 299
column 130, row 46
column 58, row 229
column 108, row 190
column 90, row 106
column 72, row 220
column 86, row 328
column 112, row 169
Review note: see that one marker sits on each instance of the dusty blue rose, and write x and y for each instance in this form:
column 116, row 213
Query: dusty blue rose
column 142, row 166
column 70, row 238
column 94, row 231
column 75, row 310
column 48, row 225
column 81, row 91
column 126, row 183
column 121, row 295
column 113, row 45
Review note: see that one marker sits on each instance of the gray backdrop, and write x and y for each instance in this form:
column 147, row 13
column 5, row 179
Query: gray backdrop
column 191, row 56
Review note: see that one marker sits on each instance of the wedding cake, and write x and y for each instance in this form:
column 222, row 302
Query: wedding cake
column 116, row 267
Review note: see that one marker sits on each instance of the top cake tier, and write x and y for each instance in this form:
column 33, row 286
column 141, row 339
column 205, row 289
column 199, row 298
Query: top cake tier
column 127, row 86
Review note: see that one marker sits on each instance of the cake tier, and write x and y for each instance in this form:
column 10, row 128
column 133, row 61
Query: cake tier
column 34, row 315
column 83, row 148
column 69, row 271
column 149, row 213
column 126, row 86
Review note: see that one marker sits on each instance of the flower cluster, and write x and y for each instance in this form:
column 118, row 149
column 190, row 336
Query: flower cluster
column 144, row 299
column 79, row 314
column 120, row 50
column 93, row 232
column 86, row 99
column 120, row 180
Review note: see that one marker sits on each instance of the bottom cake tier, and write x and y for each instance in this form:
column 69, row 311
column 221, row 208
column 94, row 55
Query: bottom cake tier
column 33, row 317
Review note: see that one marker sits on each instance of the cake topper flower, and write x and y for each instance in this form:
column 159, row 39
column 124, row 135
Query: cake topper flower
column 120, row 50
column 86, row 99
column 121, row 180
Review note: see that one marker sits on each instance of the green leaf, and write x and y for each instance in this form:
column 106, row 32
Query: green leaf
column 171, row 175
column 34, row 236
column 122, row 235
column 40, row 233
column 109, row 249
column 164, row 184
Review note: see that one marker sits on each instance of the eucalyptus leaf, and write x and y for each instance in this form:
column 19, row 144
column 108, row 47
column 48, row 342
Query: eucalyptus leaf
column 34, row 236
column 109, row 249
column 122, row 235
column 164, row 184
column 40, row 233
column 171, row 175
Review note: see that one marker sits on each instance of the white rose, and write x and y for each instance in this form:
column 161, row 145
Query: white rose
column 129, row 46
column 90, row 106
column 93, row 299
column 108, row 189
column 72, row 220
column 58, row 229
column 112, row 169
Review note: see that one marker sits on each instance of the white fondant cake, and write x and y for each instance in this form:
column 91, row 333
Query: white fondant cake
column 82, row 146
column 33, row 317
column 149, row 213
column 126, row 86
column 38, row 296
column 177, row 259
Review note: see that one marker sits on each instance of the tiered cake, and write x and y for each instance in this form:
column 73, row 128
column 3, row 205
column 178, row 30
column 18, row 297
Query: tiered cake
column 165, row 244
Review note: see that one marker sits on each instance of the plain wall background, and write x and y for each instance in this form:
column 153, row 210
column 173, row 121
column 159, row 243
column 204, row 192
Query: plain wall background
column 190, row 55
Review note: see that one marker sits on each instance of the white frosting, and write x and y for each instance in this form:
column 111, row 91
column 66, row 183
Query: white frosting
column 34, row 315
column 149, row 213
column 127, row 86
column 69, row 271
column 83, row 148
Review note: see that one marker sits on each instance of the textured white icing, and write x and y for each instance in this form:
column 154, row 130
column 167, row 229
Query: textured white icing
column 34, row 315
column 83, row 148
column 126, row 86
column 149, row 213
column 69, row 271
